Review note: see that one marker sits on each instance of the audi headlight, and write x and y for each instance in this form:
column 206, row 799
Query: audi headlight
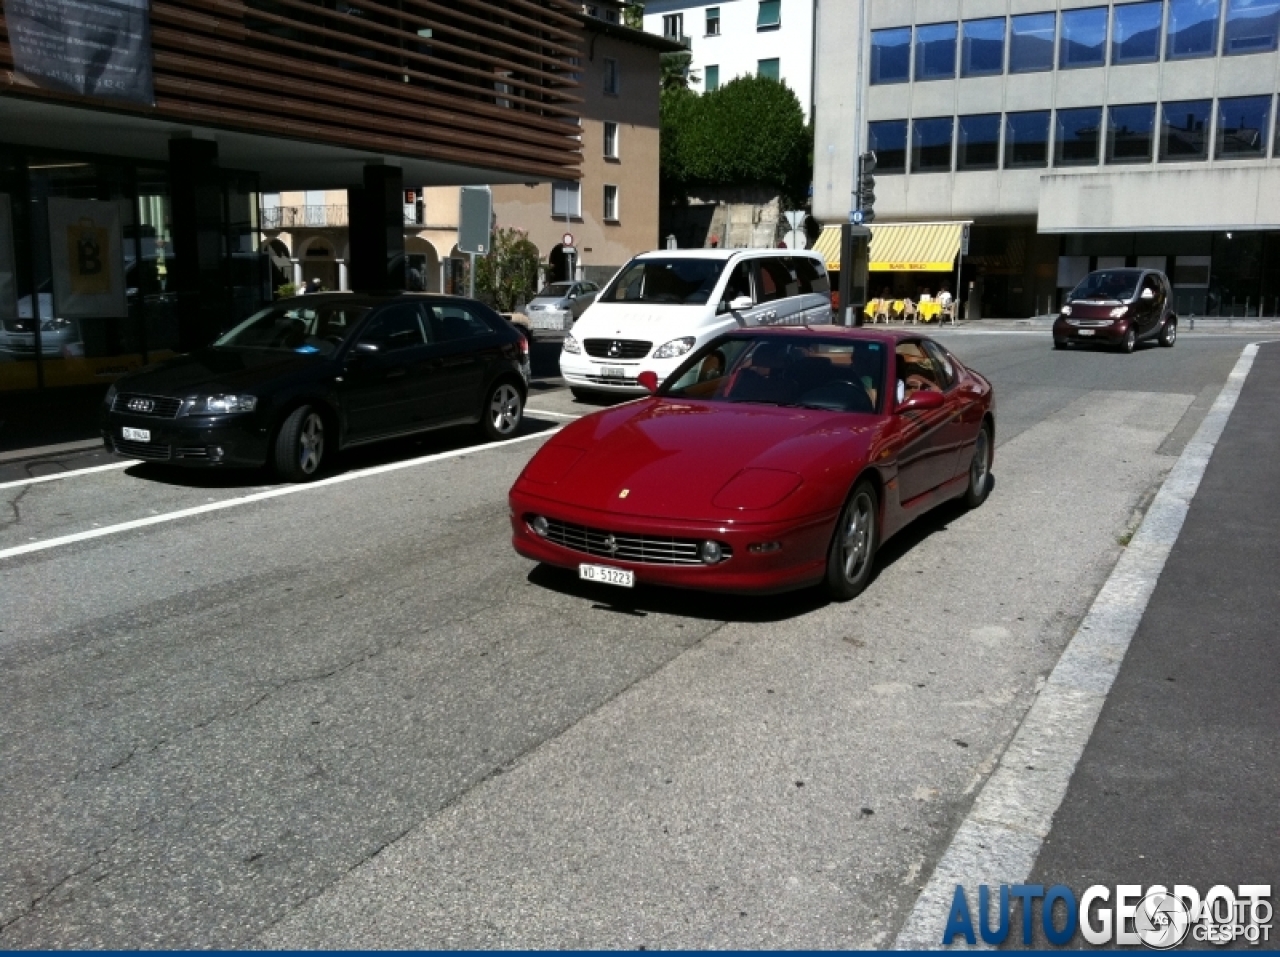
column 110, row 397
column 571, row 344
column 1119, row 312
column 222, row 404
column 1066, row 310
column 676, row 347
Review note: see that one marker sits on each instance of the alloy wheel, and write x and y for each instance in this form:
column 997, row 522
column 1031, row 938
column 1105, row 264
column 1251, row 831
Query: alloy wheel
column 981, row 466
column 857, row 538
column 504, row 409
column 311, row 444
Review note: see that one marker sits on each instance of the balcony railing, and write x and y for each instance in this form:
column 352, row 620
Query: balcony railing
column 291, row 217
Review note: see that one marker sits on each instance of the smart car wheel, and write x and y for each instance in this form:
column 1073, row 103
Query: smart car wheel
column 1169, row 334
column 1130, row 340
column 1059, row 344
column 300, row 445
column 979, row 470
column 853, row 546
column 503, row 412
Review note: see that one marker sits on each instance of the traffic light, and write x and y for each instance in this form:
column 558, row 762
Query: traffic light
column 867, row 186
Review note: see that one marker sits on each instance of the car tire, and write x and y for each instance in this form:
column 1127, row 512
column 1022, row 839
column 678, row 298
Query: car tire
column 1059, row 344
column 980, row 469
column 852, row 554
column 1169, row 333
column 582, row 395
column 300, row 445
column 1130, row 341
column 503, row 411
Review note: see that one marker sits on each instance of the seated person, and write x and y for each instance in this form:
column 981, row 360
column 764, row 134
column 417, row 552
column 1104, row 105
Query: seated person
column 767, row 378
column 712, row 367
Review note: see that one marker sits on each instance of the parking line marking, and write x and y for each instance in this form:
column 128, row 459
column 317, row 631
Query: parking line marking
column 1000, row 838
column 558, row 415
column 72, row 474
column 260, row 496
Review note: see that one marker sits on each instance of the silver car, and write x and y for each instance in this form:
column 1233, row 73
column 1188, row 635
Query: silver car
column 559, row 304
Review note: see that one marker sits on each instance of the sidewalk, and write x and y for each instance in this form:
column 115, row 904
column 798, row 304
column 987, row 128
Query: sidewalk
column 1179, row 780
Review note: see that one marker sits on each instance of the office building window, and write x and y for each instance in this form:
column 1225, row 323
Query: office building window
column 1192, row 30
column 1135, row 32
column 1243, row 125
column 1184, row 131
column 712, row 77
column 891, row 55
column 611, row 140
column 673, row 26
column 566, row 199
column 713, row 21
column 1076, row 137
column 931, row 145
column 1252, row 26
column 612, row 81
column 611, row 203
column 1084, row 38
column 769, row 16
column 1026, row 140
column 982, row 47
column 769, row 68
column 936, row 51
column 978, row 142
column 888, row 140
column 1031, row 42
column 1130, row 131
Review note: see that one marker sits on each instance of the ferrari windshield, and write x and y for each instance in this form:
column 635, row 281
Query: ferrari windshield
column 1107, row 285
column 837, row 374
column 297, row 327
column 665, row 281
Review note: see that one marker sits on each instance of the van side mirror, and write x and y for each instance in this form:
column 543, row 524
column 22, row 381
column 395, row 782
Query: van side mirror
column 742, row 302
column 649, row 380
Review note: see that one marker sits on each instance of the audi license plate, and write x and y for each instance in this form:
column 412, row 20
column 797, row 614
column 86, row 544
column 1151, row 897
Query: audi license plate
column 607, row 575
column 613, row 372
column 135, row 435
column 1084, row 332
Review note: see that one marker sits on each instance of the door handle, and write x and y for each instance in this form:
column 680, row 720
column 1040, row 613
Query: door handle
column 396, row 373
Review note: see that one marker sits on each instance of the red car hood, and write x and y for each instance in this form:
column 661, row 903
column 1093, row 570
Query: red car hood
column 667, row 458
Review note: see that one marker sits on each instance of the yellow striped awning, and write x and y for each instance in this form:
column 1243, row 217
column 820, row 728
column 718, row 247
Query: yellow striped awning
column 901, row 247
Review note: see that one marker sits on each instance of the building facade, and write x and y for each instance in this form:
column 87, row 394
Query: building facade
column 1073, row 134
column 742, row 38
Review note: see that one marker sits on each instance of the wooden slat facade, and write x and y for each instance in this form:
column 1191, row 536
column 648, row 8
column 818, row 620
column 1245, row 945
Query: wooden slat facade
column 481, row 83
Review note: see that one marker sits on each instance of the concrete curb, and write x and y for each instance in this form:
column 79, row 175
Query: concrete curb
column 44, row 451
column 1000, row 839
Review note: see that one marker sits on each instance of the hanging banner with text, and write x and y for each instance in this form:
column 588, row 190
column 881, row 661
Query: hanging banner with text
column 98, row 48
column 86, row 250
column 8, row 270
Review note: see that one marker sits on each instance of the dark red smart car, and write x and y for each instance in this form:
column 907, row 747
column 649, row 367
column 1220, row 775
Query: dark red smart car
column 1118, row 307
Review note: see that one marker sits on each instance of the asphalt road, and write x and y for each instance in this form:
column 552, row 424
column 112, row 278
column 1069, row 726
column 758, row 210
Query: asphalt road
column 351, row 716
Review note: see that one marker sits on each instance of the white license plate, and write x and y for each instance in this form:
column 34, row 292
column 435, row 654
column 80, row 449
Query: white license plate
column 613, row 372
column 607, row 575
column 136, row 435
column 1084, row 332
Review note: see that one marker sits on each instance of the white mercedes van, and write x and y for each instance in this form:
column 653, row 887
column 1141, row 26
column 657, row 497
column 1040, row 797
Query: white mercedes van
column 664, row 304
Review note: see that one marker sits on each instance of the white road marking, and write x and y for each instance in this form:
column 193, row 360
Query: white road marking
column 259, row 497
column 72, row 474
column 1000, row 839
column 558, row 415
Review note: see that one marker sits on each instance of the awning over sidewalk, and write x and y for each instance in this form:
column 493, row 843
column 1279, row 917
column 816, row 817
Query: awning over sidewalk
column 901, row 247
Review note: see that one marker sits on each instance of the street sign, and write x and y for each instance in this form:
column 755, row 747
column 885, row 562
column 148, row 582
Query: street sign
column 796, row 218
column 856, row 217
column 796, row 239
column 568, row 250
column 964, row 240
column 567, row 239
column 475, row 219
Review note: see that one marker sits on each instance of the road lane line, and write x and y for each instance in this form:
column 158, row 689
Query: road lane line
column 260, row 496
column 1000, row 838
column 72, row 474
column 558, row 415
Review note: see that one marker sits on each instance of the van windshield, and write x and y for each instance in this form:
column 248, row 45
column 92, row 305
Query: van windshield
column 1107, row 285
column 675, row 282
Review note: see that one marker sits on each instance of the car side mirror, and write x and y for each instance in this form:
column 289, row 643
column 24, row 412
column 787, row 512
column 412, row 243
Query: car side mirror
column 742, row 302
column 1148, row 293
column 648, row 379
column 921, row 401
column 366, row 348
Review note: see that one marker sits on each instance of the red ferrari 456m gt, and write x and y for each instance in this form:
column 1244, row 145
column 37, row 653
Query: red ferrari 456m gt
column 773, row 459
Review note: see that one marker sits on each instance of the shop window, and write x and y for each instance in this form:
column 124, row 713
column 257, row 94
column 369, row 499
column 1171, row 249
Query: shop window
column 1130, row 130
column 1192, row 30
column 1031, row 42
column 712, row 78
column 936, row 51
column 1026, row 140
column 769, row 16
column 1083, row 41
column 931, row 145
column 982, row 47
column 891, row 55
column 1252, row 26
column 1184, row 131
column 1076, row 137
column 888, row 140
column 1135, row 32
column 1243, row 125
column 978, row 142
column 771, row 69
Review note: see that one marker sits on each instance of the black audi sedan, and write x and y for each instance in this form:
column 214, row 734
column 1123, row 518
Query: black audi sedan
column 314, row 374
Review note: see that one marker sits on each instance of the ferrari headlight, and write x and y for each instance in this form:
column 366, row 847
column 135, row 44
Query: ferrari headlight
column 1119, row 312
column 1066, row 310
column 222, row 404
column 676, row 347
column 571, row 344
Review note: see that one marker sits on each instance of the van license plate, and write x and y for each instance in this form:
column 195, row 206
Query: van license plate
column 136, row 435
column 613, row 372
column 1084, row 332
column 607, row 575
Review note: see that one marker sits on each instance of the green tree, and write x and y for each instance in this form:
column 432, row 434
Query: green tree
column 633, row 15
column 508, row 274
column 675, row 73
